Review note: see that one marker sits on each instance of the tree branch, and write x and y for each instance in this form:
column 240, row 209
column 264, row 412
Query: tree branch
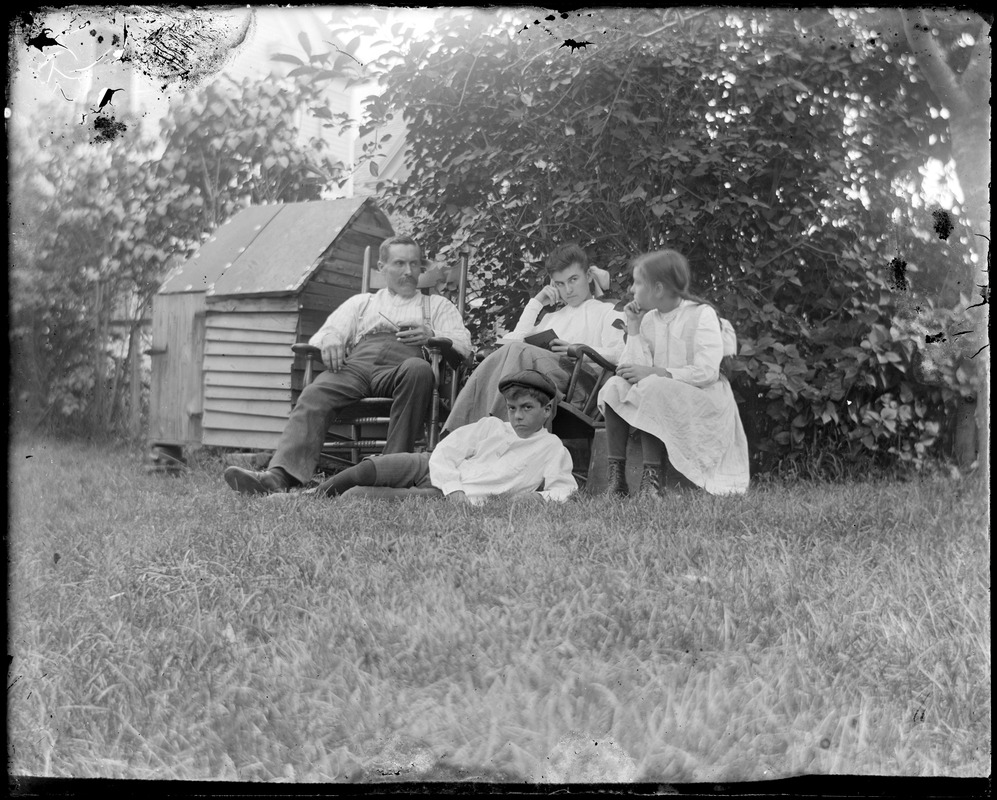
column 609, row 111
column 942, row 80
column 672, row 24
column 467, row 78
column 976, row 76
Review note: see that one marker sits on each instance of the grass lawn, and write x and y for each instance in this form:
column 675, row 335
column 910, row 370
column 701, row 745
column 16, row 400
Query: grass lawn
column 166, row 627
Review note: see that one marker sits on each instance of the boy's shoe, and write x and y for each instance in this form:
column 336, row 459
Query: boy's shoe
column 616, row 479
column 652, row 479
column 247, row 481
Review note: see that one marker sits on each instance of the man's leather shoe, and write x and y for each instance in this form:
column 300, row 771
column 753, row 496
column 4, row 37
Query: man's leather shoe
column 246, row 481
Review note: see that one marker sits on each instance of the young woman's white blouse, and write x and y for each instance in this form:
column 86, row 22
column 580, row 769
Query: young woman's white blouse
column 590, row 323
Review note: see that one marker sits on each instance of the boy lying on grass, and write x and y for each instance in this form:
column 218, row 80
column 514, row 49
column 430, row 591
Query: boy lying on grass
column 487, row 457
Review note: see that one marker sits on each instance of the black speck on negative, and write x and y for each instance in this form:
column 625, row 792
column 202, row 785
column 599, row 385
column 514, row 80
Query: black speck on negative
column 107, row 129
column 932, row 338
column 43, row 40
column 898, row 271
column 943, row 223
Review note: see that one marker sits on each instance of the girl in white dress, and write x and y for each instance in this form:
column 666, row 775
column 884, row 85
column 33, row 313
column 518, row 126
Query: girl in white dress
column 669, row 386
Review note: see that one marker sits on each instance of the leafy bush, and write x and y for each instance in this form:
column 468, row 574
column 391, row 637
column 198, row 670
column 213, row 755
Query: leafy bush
column 97, row 225
column 771, row 155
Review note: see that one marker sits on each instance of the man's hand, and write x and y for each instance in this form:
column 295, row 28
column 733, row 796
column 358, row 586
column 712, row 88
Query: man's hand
column 417, row 335
column 547, row 296
column 333, row 355
column 457, row 497
column 559, row 345
column 634, row 372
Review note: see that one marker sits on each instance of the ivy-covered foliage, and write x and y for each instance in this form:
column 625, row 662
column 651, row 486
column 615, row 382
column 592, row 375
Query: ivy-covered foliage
column 773, row 158
column 96, row 225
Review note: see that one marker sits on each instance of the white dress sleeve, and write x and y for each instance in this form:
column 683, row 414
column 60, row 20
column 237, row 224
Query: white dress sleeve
column 639, row 349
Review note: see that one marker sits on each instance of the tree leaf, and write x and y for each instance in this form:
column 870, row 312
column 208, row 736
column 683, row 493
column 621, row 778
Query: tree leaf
column 288, row 58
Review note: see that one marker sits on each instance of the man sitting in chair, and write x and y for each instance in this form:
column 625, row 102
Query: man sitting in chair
column 372, row 347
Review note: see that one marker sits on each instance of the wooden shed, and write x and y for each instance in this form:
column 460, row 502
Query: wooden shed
column 223, row 323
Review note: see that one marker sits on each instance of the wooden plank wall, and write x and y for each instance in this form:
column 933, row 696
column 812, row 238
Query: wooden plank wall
column 175, row 389
column 251, row 377
column 247, row 370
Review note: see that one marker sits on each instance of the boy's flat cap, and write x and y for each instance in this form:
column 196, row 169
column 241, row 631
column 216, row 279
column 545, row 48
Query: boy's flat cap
column 530, row 379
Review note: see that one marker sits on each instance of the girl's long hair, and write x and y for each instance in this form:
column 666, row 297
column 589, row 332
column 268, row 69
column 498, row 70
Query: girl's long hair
column 670, row 267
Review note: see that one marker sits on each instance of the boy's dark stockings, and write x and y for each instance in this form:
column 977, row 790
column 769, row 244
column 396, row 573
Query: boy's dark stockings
column 363, row 474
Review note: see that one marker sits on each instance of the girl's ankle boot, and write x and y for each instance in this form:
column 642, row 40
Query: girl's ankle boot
column 652, row 481
column 616, row 478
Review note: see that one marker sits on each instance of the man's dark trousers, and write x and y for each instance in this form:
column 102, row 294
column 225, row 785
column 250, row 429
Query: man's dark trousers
column 379, row 366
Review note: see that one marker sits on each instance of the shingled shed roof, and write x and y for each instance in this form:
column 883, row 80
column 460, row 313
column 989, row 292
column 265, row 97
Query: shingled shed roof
column 269, row 250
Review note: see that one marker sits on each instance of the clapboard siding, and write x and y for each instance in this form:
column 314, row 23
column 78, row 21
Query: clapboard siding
column 268, row 349
column 224, row 421
column 253, row 407
column 264, row 393
column 245, row 379
column 220, row 336
column 266, row 279
column 310, row 321
column 250, row 362
column 243, row 439
column 332, row 278
column 324, row 297
column 253, row 305
column 247, row 367
column 278, row 323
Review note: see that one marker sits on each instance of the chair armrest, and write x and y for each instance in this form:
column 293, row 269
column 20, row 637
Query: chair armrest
column 307, row 350
column 445, row 347
column 580, row 350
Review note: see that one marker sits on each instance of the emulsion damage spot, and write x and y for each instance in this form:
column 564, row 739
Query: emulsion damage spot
column 106, row 129
column 943, row 223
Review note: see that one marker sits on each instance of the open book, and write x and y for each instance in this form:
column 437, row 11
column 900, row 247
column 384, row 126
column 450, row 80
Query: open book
column 541, row 339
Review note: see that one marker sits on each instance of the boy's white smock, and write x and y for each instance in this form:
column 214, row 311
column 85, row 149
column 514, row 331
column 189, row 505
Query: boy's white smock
column 488, row 457
column 693, row 412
